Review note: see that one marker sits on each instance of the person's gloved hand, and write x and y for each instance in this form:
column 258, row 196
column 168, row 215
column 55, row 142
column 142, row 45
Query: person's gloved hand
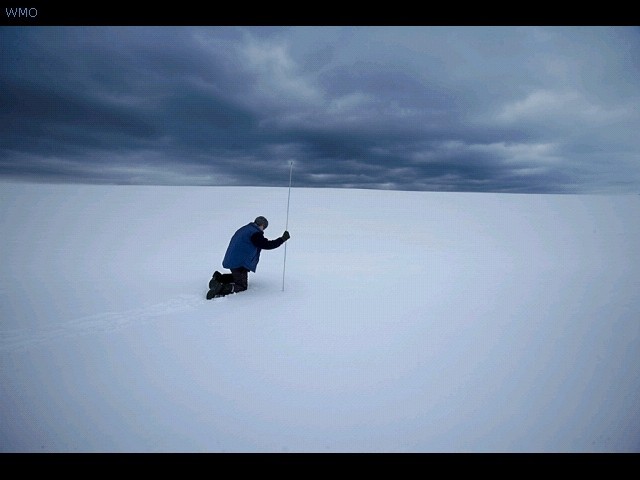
column 286, row 236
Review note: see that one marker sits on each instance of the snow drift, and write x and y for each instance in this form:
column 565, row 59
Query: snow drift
column 409, row 322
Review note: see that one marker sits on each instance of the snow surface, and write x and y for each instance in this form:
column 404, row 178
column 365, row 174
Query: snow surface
column 410, row 322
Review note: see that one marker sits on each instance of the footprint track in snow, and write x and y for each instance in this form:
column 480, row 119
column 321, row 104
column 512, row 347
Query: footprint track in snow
column 24, row 338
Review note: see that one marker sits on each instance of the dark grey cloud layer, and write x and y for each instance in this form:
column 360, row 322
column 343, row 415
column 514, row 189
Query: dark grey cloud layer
column 499, row 109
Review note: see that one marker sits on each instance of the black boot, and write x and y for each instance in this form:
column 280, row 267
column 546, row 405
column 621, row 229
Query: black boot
column 219, row 289
column 216, row 278
column 215, row 288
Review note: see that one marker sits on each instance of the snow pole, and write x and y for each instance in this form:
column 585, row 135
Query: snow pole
column 284, row 265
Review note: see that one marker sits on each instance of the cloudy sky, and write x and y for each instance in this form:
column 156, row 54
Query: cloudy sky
column 501, row 109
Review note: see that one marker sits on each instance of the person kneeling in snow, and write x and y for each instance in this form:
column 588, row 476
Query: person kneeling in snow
column 242, row 256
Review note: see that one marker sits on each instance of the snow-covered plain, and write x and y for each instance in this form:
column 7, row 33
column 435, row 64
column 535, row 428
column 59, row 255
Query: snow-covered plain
column 409, row 322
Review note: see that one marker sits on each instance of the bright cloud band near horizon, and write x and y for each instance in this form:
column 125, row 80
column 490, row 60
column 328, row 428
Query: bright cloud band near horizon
column 496, row 109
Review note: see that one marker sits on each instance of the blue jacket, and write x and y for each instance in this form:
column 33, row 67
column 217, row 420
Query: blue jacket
column 245, row 246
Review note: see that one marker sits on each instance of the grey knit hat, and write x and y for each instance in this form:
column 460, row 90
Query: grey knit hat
column 261, row 221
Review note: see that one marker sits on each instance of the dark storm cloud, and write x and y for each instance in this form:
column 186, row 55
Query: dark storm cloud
column 466, row 109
